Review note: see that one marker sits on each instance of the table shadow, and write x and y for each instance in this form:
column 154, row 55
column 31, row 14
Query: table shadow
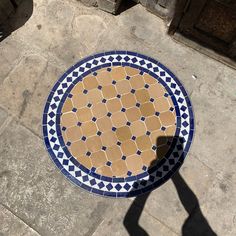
column 195, row 224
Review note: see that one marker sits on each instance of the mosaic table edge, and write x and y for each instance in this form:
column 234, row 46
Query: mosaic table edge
column 119, row 187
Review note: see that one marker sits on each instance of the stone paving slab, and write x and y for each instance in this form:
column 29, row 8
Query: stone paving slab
column 116, row 223
column 36, row 192
column 12, row 225
column 10, row 53
column 19, row 86
column 219, row 206
column 32, row 116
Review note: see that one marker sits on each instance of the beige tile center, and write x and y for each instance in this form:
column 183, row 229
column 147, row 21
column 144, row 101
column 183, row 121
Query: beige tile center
column 113, row 119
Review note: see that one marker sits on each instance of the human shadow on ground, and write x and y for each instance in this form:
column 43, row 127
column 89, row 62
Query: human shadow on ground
column 20, row 15
column 195, row 224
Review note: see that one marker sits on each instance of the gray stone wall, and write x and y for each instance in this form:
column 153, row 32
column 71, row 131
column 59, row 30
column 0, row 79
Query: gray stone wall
column 162, row 8
column 105, row 5
column 89, row 3
column 109, row 5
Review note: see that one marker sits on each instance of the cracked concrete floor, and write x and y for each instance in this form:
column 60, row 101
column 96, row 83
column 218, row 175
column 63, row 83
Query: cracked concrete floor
column 35, row 198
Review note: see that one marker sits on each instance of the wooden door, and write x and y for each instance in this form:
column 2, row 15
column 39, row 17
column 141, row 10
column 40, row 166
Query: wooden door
column 213, row 22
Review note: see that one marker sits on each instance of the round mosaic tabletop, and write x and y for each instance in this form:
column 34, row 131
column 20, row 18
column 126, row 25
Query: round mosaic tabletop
column 118, row 124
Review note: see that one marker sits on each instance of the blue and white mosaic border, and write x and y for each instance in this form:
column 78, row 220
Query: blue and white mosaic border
column 117, row 187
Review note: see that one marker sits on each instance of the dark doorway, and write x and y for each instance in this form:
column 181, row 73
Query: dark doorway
column 20, row 12
column 210, row 22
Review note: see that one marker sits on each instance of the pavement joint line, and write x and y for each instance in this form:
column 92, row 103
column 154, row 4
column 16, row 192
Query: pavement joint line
column 97, row 227
column 30, row 130
column 35, row 50
column 215, row 173
column 204, row 164
column 26, row 101
column 161, row 222
column 102, row 220
column 5, row 124
column 12, row 118
column 6, row 207
column 13, row 69
column 155, row 218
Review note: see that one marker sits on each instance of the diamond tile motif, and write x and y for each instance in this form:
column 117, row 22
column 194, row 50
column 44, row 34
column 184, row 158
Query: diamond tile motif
column 118, row 124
